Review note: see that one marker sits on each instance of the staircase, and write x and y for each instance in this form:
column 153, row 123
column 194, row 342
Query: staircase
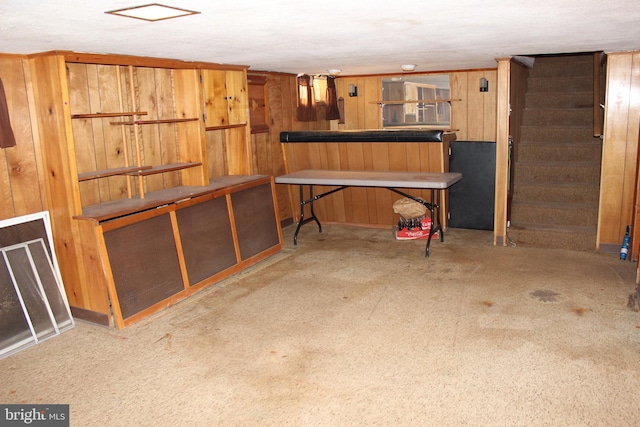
column 556, row 180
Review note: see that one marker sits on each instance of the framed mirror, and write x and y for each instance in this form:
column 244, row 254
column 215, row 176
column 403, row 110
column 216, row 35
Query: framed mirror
column 416, row 101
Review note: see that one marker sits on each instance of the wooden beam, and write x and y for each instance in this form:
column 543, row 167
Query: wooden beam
column 502, row 153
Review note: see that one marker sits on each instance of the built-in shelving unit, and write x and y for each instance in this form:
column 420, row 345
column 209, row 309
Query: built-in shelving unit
column 139, row 223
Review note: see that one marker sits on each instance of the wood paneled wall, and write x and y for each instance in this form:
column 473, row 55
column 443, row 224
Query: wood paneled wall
column 473, row 114
column 473, row 118
column 620, row 147
column 268, row 154
column 21, row 167
column 21, row 185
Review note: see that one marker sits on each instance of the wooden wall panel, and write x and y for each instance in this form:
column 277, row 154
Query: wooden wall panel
column 116, row 150
column 20, row 179
column 459, row 83
column 216, row 154
column 237, row 152
column 147, row 91
column 474, row 115
column 489, row 106
column 187, row 137
column 80, row 102
column 6, row 209
column 620, row 144
column 273, row 158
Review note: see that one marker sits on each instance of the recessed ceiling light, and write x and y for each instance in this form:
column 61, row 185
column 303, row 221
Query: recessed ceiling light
column 153, row 12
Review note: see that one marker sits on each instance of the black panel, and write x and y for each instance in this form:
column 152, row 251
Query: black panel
column 255, row 218
column 144, row 263
column 363, row 136
column 471, row 200
column 207, row 240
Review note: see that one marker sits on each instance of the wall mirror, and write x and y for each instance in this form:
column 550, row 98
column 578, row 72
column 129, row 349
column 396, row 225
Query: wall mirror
column 416, row 101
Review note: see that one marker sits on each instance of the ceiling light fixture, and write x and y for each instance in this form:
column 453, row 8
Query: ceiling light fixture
column 153, row 12
column 334, row 72
column 408, row 67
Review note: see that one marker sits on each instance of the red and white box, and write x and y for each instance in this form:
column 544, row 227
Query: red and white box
column 416, row 233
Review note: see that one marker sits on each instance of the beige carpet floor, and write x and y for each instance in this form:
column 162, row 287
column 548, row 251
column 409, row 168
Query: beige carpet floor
column 353, row 328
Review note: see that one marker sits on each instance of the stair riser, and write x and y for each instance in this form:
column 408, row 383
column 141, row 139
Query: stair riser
column 545, row 194
column 542, row 134
column 543, row 215
column 559, row 153
column 560, row 173
column 559, row 100
column 559, row 84
column 559, row 117
column 554, row 240
column 570, row 67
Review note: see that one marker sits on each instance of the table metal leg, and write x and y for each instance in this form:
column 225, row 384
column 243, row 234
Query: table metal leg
column 309, row 202
column 302, row 219
column 433, row 206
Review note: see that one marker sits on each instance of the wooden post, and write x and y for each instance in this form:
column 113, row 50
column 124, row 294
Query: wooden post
column 502, row 153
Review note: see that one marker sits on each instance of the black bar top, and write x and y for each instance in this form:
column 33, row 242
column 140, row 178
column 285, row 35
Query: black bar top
column 388, row 135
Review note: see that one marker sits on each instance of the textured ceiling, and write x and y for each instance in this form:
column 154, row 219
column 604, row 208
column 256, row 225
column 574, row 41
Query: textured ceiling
column 358, row 37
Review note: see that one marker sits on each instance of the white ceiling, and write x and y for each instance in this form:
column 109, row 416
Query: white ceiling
column 356, row 36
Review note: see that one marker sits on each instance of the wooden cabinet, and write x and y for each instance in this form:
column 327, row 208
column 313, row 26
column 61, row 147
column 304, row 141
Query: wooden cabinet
column 226, row 99
column 159, row 255
column 139, row 220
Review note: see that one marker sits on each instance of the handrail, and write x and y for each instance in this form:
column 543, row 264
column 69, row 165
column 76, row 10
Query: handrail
column 599, row 79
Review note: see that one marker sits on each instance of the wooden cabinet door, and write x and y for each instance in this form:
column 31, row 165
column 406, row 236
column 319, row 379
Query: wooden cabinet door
column 215, row 94
column 237, row 97
column 226, row 97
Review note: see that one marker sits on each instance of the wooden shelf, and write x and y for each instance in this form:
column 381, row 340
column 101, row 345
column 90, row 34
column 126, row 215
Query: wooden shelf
column 103, row 115
column 161, row 169
column 110, row 172
column 121, row 207
column 414, row 101
column 151, row 122
column 240, row 125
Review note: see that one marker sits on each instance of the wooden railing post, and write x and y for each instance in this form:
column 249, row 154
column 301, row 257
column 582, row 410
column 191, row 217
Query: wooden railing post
column 598, row 94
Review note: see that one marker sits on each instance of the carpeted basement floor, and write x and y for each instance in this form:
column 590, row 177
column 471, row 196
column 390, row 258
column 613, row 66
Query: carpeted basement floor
column 353, row 328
